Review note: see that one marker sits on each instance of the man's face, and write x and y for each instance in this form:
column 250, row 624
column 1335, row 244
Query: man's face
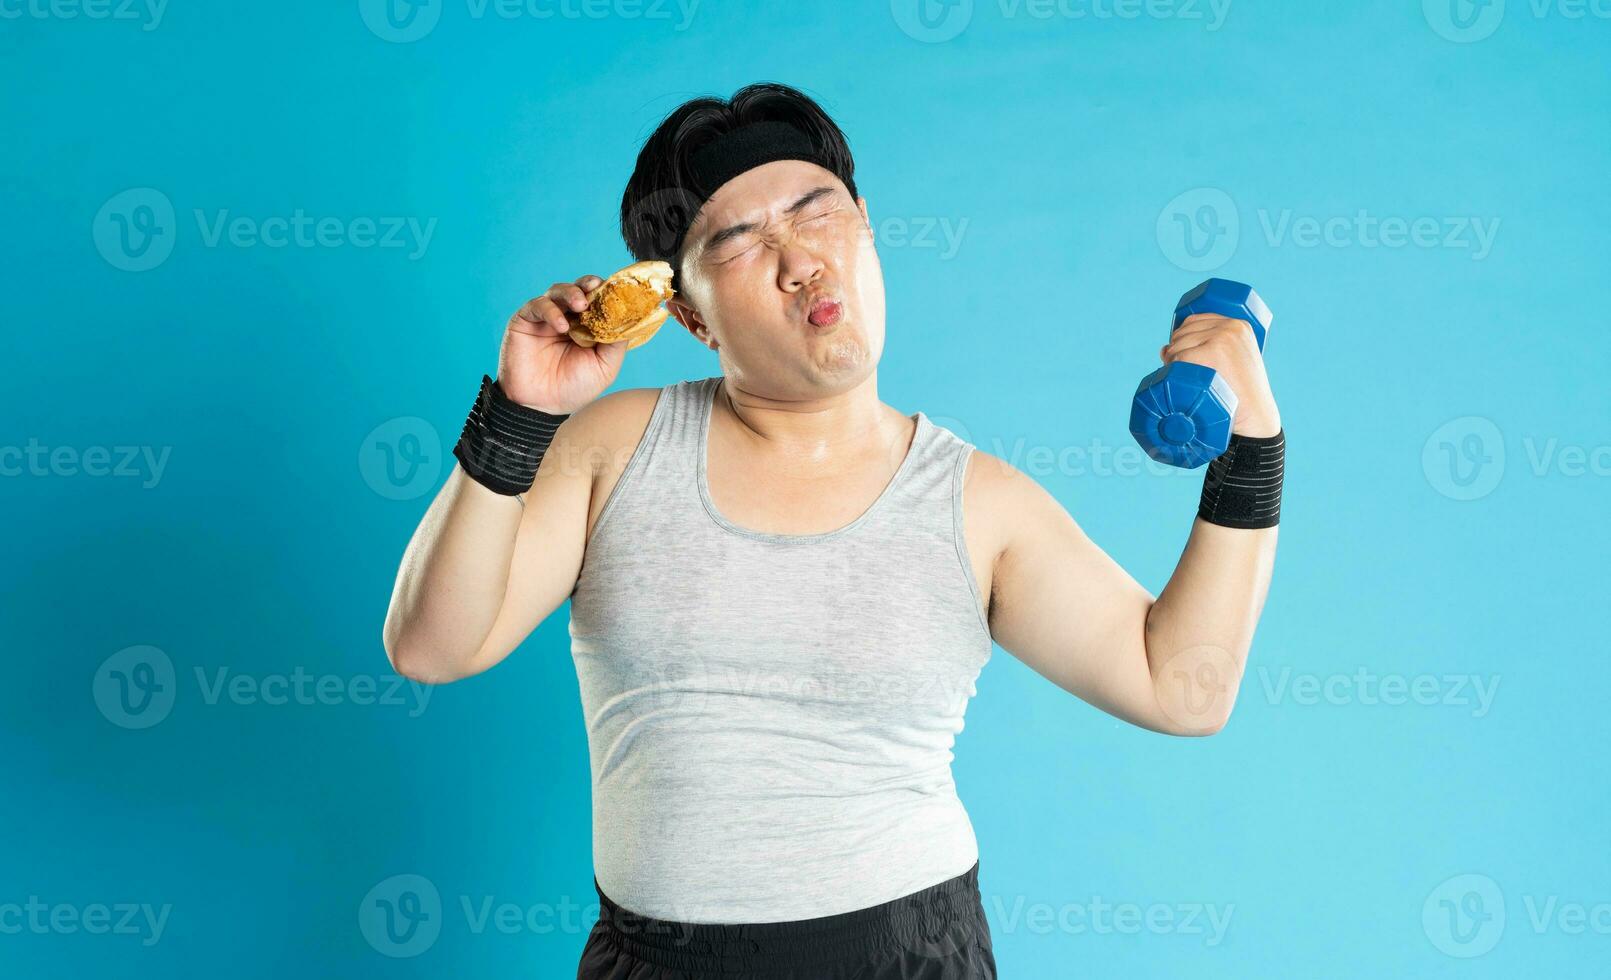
column 766, row 247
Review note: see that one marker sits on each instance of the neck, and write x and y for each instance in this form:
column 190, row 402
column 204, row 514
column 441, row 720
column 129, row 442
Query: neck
column 814, row 430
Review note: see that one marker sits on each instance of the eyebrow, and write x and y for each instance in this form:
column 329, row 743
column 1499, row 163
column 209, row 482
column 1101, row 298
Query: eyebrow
column 733, row 231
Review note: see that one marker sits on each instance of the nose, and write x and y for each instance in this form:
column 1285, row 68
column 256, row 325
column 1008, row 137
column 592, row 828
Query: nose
column 798, row 265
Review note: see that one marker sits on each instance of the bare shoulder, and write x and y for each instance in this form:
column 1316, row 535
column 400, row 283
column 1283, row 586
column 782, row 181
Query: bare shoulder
column 991, row 489
column 1010, row 499
column 616, row 416
column 1003, row 505
column 608, row 429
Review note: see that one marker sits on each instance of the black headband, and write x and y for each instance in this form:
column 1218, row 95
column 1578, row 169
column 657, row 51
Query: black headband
column 728, row 155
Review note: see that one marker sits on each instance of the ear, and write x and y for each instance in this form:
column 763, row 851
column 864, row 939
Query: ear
column 861, row 202
column 690, row 318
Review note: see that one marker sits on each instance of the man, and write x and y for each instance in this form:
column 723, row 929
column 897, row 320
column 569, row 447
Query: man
column 782, row 589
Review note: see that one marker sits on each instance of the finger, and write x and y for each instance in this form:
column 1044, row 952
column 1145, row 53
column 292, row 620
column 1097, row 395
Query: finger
column 531, row 311
column 1178, row 349
column 1211, row 319
column 590, row 283
column 1202, row 333
column 543, row 313
column 568, row 294
column 1200, row 323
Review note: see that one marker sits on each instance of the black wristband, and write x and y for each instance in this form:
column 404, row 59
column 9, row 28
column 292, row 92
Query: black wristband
column 503, row 442
column 1243, row 485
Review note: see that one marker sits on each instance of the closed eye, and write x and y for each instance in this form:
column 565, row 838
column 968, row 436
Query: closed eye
column 833, row 212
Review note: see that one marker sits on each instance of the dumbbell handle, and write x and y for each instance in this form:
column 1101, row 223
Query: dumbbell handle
column 1182, row 412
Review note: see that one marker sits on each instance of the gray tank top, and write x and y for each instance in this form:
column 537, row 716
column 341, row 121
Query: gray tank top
column 770, row 716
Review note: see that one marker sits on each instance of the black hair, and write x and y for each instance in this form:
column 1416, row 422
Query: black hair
column 658, row 207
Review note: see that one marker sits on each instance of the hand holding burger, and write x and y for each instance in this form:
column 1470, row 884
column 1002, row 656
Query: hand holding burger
column 563, row 348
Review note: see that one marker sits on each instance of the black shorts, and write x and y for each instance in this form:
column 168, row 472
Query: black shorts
column 938, row 933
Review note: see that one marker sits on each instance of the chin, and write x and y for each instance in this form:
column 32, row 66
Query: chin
column 842, row 356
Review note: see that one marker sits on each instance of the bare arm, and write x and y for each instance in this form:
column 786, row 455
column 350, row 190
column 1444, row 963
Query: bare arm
column 1070, row 612
column 1172, row 664
column 482, row 570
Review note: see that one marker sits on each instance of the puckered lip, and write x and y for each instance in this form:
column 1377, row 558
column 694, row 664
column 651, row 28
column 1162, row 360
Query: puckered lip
column 816, row 299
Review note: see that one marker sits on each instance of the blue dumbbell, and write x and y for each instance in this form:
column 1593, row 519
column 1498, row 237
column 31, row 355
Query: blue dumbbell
column 1182, row 412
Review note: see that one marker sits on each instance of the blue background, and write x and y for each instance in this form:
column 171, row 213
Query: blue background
column 1410, row 378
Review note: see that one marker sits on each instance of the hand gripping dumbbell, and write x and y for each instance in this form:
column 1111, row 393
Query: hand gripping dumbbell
column 1182, row 412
